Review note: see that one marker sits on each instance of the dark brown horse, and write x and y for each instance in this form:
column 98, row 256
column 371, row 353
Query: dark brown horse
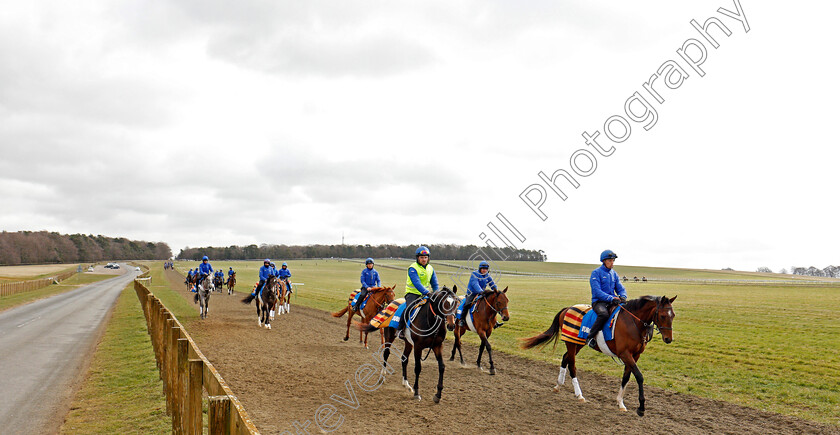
column 482, row 323
column 379, row 297
column 427, row 331
column 633, row 330
column 265, row 301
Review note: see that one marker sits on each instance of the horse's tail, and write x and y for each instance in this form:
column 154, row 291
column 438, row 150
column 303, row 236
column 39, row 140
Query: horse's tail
column 342, row 312
column 247, row 300
column 365, row 327
column 550, row 334
column 195, row 299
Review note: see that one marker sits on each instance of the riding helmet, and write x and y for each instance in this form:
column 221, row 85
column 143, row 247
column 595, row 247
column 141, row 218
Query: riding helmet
column 205, row 258
column 369, row 261
column 608, row 254
column 421, row 251
column 484, row 265
column 284, row 264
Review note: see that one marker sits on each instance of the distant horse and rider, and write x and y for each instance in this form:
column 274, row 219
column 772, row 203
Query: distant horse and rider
column 218, row 283
column 202, row 295
column 377, row 299
column 482, row 322
column 284, row 295
column 266, row 299
column 634, row 323
column 231, row 283
column 426, row 327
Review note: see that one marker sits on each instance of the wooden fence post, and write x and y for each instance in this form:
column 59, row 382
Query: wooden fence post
column 219, row 415
column 172, row 370
column 194, row 420
column 183, row 375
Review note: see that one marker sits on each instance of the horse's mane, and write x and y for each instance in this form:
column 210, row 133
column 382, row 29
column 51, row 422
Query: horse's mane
column 638, row 304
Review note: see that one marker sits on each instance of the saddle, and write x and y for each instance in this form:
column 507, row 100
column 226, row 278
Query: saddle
column 383, row 318
column 355, row 295
column 589, row 319
column 395, row 321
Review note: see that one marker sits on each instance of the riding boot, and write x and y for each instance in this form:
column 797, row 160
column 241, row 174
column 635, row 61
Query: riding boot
column 464, row 315
column 593, row 333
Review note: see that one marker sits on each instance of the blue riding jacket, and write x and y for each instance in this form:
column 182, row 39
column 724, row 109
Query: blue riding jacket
column 265, row 272
column 230, row 272
column 205, row 268
column 479, row 282
column 284, row 273
column 370, row 278
column 605, row 285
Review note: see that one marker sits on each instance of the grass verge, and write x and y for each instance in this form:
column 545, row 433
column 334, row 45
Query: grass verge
column 122, row 392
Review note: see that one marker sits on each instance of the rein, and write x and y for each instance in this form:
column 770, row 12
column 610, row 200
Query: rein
column 492, row 307
column 648, row 326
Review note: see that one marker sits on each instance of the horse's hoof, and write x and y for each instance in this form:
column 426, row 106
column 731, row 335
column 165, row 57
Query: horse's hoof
column 452, row 359
column 417, row 397
column 267, row 326
column 436, row 398
column 346, row 338
column 556, row 388
column 640, row 412
column 622, row 409
column 581, row 399
column 492, row 371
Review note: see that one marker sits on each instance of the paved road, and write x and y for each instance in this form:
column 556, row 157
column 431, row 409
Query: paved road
column 43, row 348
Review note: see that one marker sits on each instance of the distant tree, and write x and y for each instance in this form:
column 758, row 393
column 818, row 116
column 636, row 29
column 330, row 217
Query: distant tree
column 727, row 268
column 783, row 271
column 764, row 270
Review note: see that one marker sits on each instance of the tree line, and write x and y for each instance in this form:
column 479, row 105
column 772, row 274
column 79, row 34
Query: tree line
column 828, row 271
column 441, row 252
column 38, row 247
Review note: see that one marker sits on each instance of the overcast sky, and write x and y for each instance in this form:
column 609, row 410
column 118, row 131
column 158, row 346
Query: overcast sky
column 216, row 123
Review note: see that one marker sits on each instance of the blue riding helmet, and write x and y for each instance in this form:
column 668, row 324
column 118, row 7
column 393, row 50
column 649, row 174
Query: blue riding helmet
column 284, row 264
column 607, row 255
column 205, row 258
column 271, row 264
column 421, row 251
column 369, row 261
column 484, row 265
column 267, row 260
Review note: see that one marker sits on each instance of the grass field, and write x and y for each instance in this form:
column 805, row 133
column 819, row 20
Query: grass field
column 122, row 392
column 769, row 347
column 68, row 284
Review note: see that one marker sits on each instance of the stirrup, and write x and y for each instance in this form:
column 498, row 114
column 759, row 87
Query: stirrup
column 593, row 343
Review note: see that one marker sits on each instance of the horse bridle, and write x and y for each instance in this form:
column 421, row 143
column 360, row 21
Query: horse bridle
column 497, row 311
column 648, row 327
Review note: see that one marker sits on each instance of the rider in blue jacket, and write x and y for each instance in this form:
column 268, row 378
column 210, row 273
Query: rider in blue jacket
column 479, row 280
column 265, row 272
column 606, row 290
column 230, row 274
column 370, row 279
column 204, row 270
column 285, row 275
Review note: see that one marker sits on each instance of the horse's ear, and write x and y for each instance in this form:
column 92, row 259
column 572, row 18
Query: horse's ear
column 505, row 290
column 455, row 288
column 672, row 299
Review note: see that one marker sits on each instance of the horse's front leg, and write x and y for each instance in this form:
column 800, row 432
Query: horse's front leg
column 480, row 351
column 404, row 357
column 624, row 379
column 441, row 367
column 629, row 361
column 417, row 368
column 490, row 355
column 349, row 320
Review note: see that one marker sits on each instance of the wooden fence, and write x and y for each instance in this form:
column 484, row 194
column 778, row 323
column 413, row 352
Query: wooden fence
column 185, row 373
column 11, row 288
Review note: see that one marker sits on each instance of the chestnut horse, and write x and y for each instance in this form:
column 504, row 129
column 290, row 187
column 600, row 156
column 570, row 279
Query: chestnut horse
column 231, row 283
column 379, row 298
column 427, row 331
column 483, row 322
column 633, row 330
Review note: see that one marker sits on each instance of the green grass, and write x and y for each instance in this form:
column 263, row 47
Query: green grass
column 122, row 392
column 68, row 284
column 769, row 347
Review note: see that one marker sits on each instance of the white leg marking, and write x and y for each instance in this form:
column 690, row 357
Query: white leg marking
column 621, row 399
column 578, row 393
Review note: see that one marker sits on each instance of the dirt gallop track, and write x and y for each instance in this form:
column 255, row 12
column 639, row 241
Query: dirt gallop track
column 283, row 375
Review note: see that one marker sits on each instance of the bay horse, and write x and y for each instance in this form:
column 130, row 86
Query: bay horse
column 483, row 322
column 379, row 298
column 633, row 330
column 231, row 283
column 218, row 283
column 285, row 295
column 427, row 331
column 265, row 300
column 202, row 296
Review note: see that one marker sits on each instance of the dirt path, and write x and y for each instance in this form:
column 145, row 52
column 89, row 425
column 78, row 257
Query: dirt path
column 284, row 375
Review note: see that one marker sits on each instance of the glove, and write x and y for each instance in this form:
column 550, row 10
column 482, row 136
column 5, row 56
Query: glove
column 623, row 299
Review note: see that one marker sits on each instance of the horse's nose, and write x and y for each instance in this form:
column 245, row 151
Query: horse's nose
column 667, row 340
column 450, row 327
column 505, row 318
